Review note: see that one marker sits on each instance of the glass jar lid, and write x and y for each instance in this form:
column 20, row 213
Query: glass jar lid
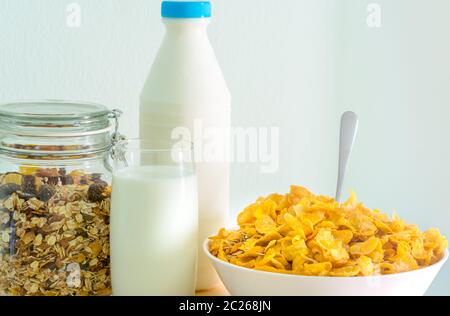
column 56, row 128
column 53, row 118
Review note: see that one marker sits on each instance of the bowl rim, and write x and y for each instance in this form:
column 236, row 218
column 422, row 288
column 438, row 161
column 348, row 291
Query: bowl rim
column 440, row 263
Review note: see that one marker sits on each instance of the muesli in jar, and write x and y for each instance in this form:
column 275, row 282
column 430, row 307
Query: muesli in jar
column 54, row 233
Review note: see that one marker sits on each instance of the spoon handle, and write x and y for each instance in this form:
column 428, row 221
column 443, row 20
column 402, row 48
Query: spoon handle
column 349, row 126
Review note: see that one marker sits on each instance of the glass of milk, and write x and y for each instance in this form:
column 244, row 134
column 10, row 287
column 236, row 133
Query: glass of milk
column 154, row 219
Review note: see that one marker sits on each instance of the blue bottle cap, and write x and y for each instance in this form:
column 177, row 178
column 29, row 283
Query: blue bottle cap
column 185, row 10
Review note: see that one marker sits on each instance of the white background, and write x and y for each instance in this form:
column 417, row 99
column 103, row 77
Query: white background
column 296, row 64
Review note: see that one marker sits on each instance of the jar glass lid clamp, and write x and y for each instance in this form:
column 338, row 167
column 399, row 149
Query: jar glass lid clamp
column 119, row 141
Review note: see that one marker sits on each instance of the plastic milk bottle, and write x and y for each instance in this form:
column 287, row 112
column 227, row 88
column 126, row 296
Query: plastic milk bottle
column 185, row 97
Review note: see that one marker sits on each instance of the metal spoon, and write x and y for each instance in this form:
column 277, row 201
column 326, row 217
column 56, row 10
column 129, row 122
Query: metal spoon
column 349, row 126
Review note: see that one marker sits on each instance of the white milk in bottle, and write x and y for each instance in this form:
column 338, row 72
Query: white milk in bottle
column 186, row 88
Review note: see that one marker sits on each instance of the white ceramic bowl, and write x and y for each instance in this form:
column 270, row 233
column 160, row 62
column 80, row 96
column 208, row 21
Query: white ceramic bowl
column 241, row 281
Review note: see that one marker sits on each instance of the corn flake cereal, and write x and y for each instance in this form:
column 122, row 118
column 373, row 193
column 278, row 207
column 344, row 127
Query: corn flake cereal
column 306, row 234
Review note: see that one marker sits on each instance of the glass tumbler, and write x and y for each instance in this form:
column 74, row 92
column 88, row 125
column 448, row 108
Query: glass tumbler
column 154, row 222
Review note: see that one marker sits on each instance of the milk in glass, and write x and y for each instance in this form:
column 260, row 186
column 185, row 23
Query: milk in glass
column 153, row 231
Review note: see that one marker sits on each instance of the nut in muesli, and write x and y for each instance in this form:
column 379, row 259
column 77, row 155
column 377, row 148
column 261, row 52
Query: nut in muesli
column 8, row 189
column 54, row 234
column 96, row 191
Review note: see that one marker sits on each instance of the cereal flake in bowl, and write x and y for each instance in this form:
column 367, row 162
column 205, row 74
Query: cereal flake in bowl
column 312, row 245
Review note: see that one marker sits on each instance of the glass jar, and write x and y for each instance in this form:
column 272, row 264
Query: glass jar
column 55, row 178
